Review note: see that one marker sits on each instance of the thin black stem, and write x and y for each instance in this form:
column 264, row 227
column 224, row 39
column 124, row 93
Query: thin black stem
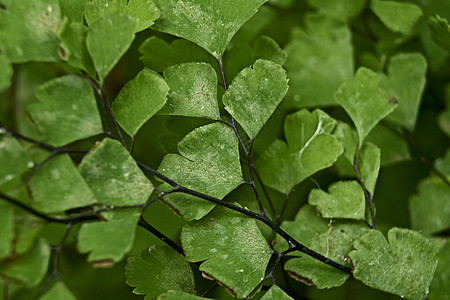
column 161, row 236
column 36, row 168
column 225, row 86
column 233, row 126
column 251, row 166
column 209, row 290
column 132, row 145
column 283, row 209
column 99, row 92
column 264, row 190
column 367, row 195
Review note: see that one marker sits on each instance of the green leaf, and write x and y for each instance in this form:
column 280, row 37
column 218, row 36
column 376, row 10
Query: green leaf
column 158, row 270
column 255, row 94
column 144, row 12
column 344, row 200
column 444, row 121
column 338, row 9
column 108, row 242
column 349, row 138
column 13, row 160
column 59, row 291
column 440, row 31
column 333, row 240
column 67, row 110
column 157, row 54
column 406, row 82
column 209, row 163
column 211, row 26
column 28, row 269
column 193, row 91
column 231, row 247
column 139, row 100
column 106, row 51
column 73, row 42
column 27, row 30
column 7, row 229
column 73, row 9
column 397, row 16
column 430, row 208
column 320, row 58
column 113, row 176
column 275, row 293
column 6, row 73
column 310, row 148
column 369, row 165
column 176, row 295
column 365, row 101
column 403, row 266
column 68, row 189
column 440, row 286
column 267, row 48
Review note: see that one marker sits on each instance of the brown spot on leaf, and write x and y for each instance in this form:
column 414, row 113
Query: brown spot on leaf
column 211, row 219
column 103, row 263
column 393, row 100
column 300, row 278
column 229, row 290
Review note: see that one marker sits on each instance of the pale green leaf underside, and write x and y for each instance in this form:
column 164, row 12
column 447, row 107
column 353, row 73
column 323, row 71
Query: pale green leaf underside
column 113, row 176
column 369, row 165
column 365, row 101
column 403, row 265
column 67, row 189
column 6, row 72
column 310, row 147
column 275, row 293
column 209, row 24
column 193, row 91
column 254, row 95
column 208, row 163
column 144, row 12
column 58, row 291
column 406, row 82
column 67, row 110
column 231, row 247
column 27, row 30
column 344, row 200
column 158, row 270
column 13, row 160
column 397, row 16
column 333, row 240
column 106, row 52
column 7, row 226
column 320, row 58
column 140, row 99
column 30, row 268
column 109, row 241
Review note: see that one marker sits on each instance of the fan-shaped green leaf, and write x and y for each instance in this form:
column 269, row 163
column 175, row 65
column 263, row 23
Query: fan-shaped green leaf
column 73, row 9
column 209, row 163
column 232, row 249
column 27, row 30
column 211, row 25
column 7, row 229
column 310, row 147
column 6, row 73
column 68, row 189
column 397, row 16
column 275, row 293
column 333, row 240
column 175, row 295
column 139, row 100
column 158, row 270
column 444, row 121
column 255, row 94
column 13, row 160
column 344, row 200
column 105, row 51
column 193, row 90
column 369, row 165
column 59, row 291
column 365, row 101
column 340, row 9
column 403, row 266
column 67, row 110
column 320, row 58
column 440, row 31
column 440, row 286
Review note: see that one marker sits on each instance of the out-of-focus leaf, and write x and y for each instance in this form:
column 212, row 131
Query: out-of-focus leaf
column 338, row 9
column 59, row 291
column 440, row 31
column 444, row 121
column 369, row 165
column 106, row 51
column 309, row 148
column 275, row 293
column 365, row 101
column 193, row 90
column 58, row 186
column 27, row 30
column 73, row 9
column 67, row 110
column 440, row 286
column 139, row 100
column 176, row 295
column 344, row 200
column 267, row 48
column 6, row 72
column 320, row 58
column 13, row 160
column 333, row 240
column 255, row 94
column 397, row 16
column 7, row 229
column 231, row 247
column 209, row 163
column 349, row 138
column 158, row 270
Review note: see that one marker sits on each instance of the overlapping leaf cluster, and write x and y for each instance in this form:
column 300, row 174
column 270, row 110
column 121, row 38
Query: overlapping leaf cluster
column 242, row 111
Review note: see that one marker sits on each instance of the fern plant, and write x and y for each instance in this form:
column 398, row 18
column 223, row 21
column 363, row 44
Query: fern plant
column 195, row 149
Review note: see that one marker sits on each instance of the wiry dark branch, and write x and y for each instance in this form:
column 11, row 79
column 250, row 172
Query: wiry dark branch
column 161, row 236
column 283, row 209
column 367, row 195
column 266, row 194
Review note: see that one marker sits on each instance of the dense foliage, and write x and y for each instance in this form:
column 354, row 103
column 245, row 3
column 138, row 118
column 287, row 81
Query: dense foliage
column 179, row 149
